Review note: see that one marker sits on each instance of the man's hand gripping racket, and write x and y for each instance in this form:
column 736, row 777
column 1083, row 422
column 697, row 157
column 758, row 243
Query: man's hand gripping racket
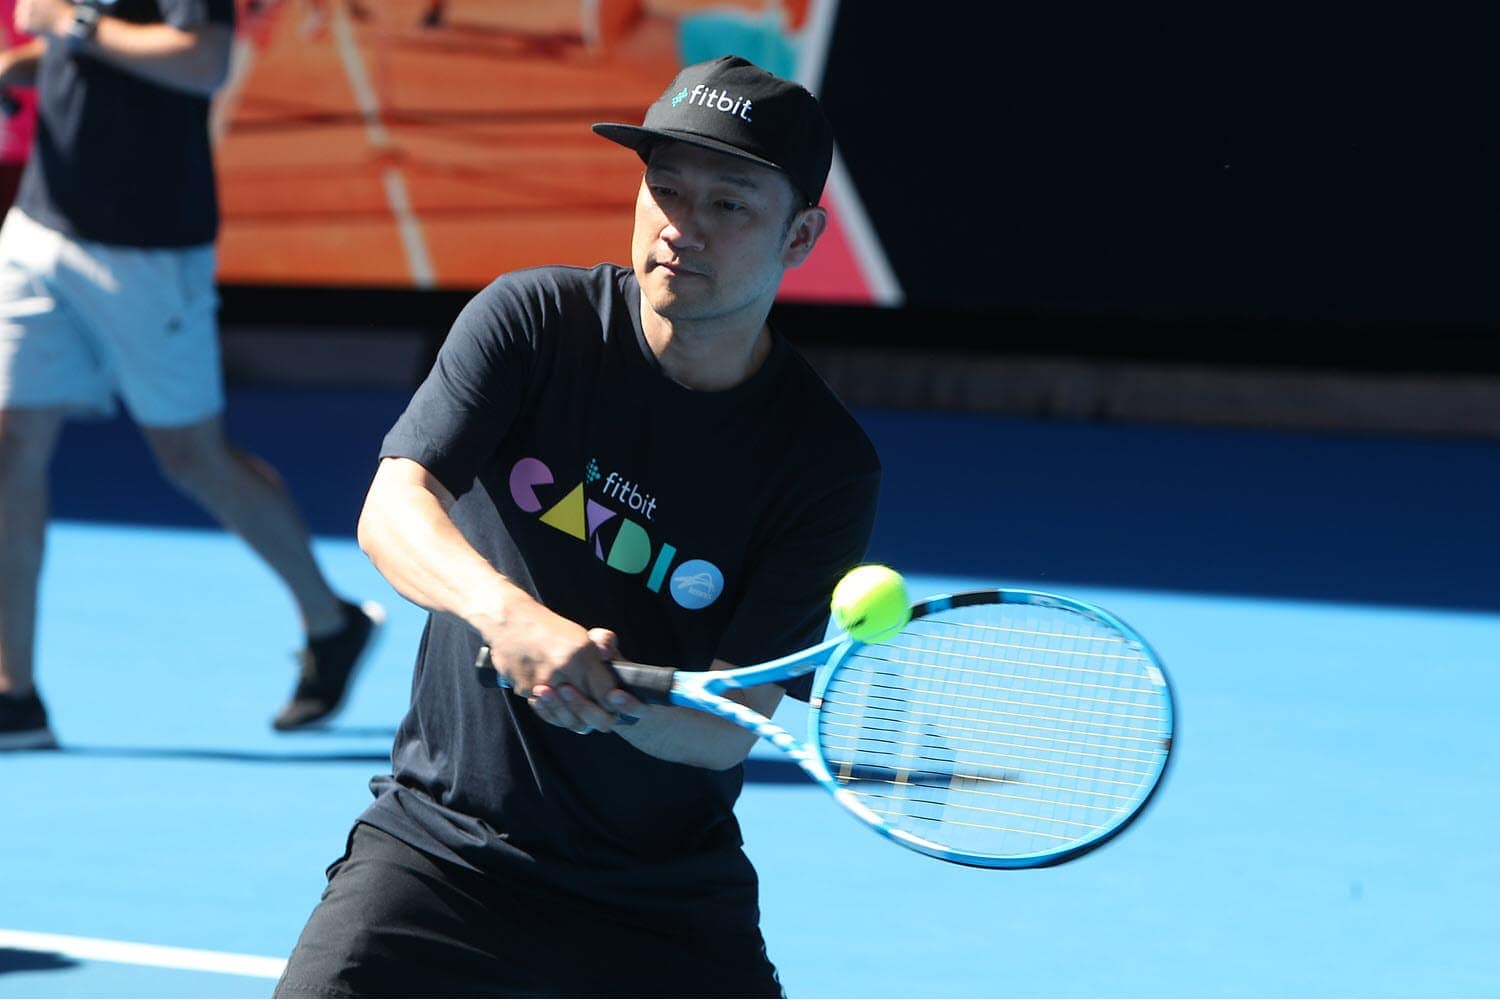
column 996, row 728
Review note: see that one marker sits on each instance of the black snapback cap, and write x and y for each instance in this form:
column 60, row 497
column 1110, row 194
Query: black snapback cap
column 732, row 106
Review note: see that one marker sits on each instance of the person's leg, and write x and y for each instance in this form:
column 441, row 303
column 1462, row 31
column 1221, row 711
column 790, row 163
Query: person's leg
column 396, row 922
column 46, row 371
column 27, row 440
column 152, row 316
column 247, row 496
column 692, row 956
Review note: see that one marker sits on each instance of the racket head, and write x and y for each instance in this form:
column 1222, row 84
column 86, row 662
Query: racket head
column 1000, row 728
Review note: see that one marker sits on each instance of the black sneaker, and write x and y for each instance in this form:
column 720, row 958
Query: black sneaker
column 23, row 723
column 327, row 666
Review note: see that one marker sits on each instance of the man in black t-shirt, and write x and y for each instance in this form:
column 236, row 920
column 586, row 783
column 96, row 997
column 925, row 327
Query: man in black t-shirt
column 107, row 290
column 605, row 462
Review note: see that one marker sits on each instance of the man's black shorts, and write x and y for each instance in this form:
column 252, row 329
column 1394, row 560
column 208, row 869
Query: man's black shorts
column 394, row 921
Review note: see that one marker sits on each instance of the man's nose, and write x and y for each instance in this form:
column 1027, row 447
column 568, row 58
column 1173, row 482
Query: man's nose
column 682, row 230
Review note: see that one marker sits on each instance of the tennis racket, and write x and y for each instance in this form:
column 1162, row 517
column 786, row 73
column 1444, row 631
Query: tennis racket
column 999, row 728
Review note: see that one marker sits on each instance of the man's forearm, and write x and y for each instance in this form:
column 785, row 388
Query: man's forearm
column 193, row 61
column 406, row 529
column 687, row 736
column 406, row 532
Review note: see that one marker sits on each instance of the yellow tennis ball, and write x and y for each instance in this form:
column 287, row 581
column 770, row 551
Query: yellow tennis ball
column 870, row 603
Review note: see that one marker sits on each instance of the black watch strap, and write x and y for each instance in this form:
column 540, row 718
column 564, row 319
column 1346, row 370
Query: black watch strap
column 85, row 23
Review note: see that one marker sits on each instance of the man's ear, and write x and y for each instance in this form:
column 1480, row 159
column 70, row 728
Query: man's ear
column 803, row 235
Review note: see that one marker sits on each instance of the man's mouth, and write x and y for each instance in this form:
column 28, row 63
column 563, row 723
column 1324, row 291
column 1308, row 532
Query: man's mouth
column 678, row 268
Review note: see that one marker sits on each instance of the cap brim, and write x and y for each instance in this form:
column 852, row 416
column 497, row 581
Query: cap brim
column 641, row 139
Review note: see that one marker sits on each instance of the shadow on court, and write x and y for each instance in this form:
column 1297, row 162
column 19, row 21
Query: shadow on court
column 758, row 770
column 25, row 960
column 233, row 755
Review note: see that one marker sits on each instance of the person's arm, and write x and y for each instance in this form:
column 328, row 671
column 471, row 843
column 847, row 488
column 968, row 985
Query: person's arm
column 194, row 61
column 18, row 63
column 680, row 735
column 786, row 598
column 406, row 530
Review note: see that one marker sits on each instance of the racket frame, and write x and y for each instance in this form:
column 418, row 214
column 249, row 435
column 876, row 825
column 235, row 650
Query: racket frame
column 705, row 691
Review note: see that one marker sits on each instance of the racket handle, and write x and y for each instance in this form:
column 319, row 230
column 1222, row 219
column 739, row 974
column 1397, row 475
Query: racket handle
column 653, row 685
column 9, row 105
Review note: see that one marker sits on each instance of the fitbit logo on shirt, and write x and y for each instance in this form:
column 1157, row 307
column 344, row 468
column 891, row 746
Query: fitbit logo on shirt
column 619, row 541
column 621, row 489
column 715, row 100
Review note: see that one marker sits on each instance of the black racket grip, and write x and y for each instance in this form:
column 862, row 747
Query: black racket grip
column 650, row 684
column 653, row 685
column 8, row 104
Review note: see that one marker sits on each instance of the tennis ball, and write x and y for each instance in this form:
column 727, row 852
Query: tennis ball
column 870, row 603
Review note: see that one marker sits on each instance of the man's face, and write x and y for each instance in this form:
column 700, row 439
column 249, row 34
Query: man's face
column 714, row 234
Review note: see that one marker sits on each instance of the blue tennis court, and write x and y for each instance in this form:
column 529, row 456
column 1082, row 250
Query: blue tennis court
column 1326, row 604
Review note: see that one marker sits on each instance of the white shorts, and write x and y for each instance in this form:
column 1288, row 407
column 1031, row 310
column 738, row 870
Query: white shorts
column 83, row 322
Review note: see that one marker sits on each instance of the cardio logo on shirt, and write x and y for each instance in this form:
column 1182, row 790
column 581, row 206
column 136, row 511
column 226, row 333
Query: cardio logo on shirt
column 619, row 541
column 621, row 489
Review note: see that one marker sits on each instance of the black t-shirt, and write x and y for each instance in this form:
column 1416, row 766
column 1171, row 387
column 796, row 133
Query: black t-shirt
column 118, row 159
column 695, row 525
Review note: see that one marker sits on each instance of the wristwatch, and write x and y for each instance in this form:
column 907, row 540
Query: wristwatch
column 85, row 22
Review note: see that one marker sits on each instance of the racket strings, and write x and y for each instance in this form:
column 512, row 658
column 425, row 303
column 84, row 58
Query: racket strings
column 1109, row 679
column 998, row 730
column 1063, row 829
column 905, row 782
column 922, row 626
column 861, row 741
column 864, row 733
column 976, row 732
column 981, row 695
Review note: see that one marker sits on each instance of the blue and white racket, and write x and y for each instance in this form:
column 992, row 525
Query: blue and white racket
column 999, row 728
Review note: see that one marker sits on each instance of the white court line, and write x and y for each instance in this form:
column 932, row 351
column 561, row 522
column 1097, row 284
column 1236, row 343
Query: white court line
column 869, row 254
column 126, row 953
column 418, row 260
column 868, row 250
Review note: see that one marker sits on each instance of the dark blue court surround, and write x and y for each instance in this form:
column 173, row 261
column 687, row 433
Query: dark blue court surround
column 1379, row 519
